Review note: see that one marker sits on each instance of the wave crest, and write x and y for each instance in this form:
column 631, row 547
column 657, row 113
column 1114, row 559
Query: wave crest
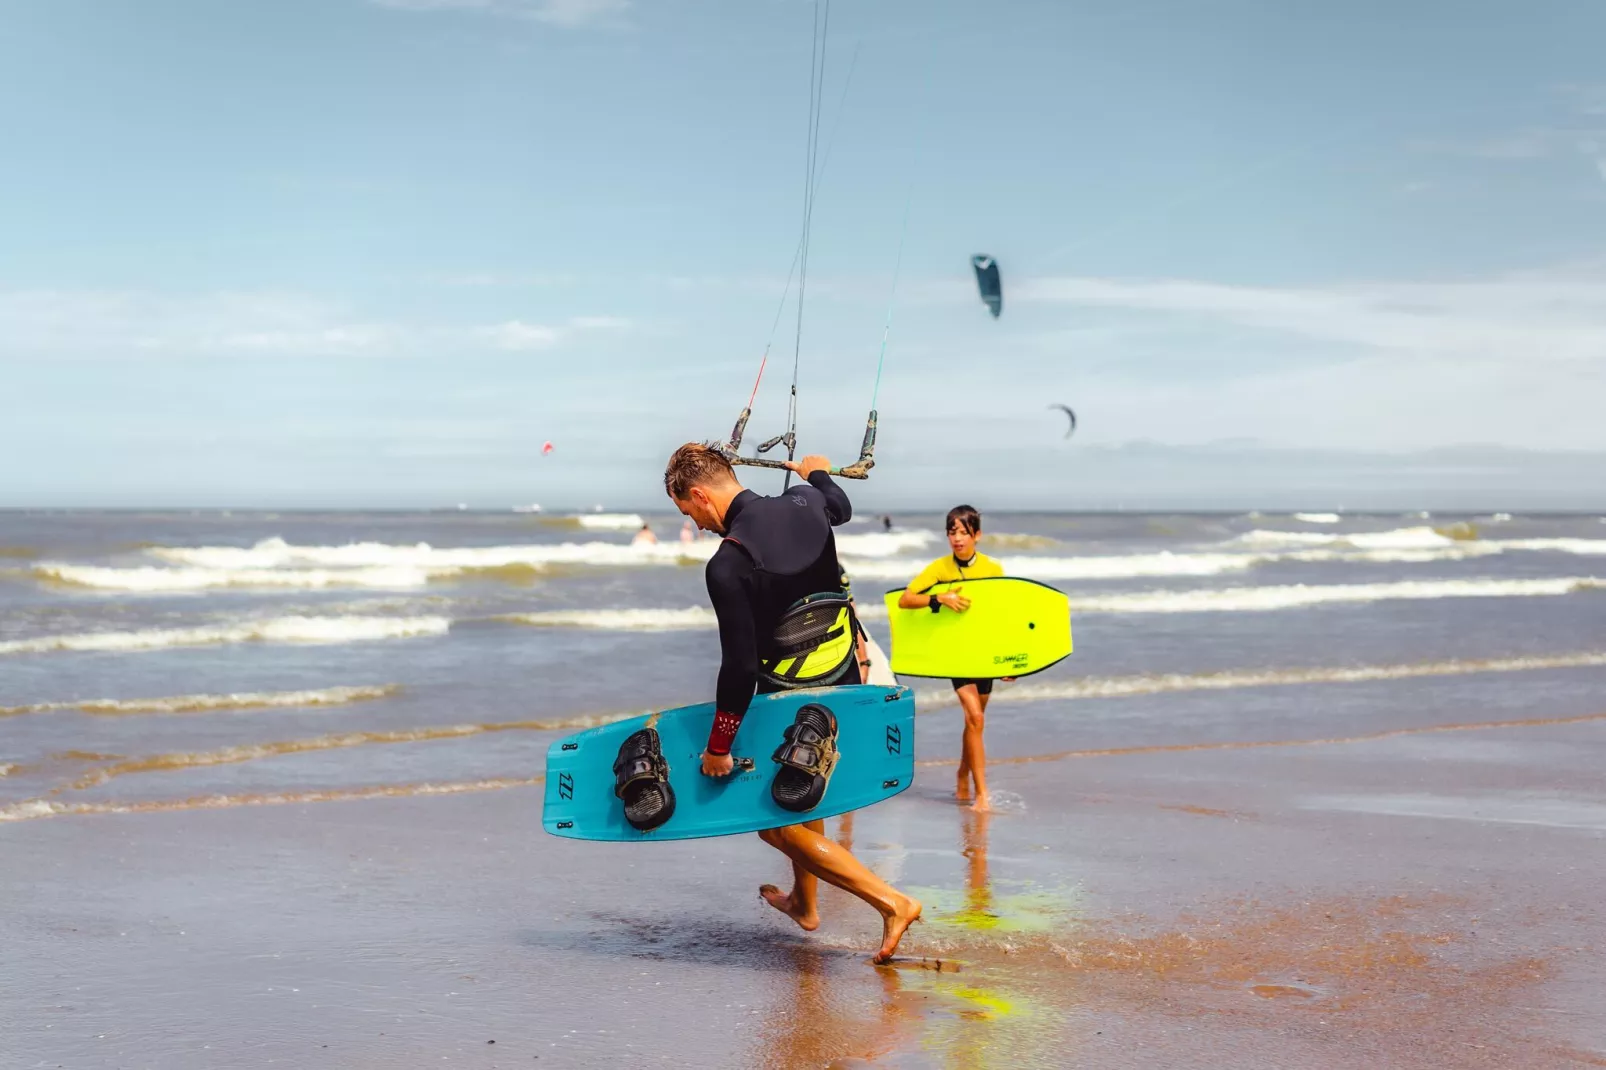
column 295, row 629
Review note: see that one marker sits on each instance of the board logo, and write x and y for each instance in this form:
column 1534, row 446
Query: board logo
column 890, row 783
column 565, row 824
column 565, row 786
column 1009, row 659
column 894, row 739
column 571, row 746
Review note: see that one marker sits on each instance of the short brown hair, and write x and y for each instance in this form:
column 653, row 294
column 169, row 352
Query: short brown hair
column 964, row 516
column 695, row 464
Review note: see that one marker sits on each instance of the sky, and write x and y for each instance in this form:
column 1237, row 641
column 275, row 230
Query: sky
column 376, row 252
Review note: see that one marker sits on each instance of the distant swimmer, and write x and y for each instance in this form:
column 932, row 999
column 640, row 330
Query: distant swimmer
column 964, row 563
column 777, row 553
column 688, row 531
column 886, row 523
column 644, row 537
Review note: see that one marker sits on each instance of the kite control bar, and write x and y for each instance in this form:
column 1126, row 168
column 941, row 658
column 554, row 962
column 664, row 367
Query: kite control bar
column 859, row 469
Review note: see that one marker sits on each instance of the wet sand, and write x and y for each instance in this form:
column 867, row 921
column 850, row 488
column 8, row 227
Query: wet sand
column 1423, row 898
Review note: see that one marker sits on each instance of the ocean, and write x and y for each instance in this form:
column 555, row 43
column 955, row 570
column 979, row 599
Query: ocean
column 158, row 666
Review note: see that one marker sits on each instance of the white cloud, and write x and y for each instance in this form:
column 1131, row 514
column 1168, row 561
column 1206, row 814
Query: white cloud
column 515, row 335
column 55, row 323
column 567, row 13
column 1579, row 131
column 1537, row 317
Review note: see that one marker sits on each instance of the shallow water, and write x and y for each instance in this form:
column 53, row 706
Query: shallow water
column 1308, row 793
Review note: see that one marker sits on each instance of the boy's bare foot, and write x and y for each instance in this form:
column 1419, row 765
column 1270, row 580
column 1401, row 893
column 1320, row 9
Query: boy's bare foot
column 783, row 902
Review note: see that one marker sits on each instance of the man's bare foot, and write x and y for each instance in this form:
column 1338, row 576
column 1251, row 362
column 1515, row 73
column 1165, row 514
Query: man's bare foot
column 983, row 804
column 962, row 791
column 783, row 902
column 894, row 925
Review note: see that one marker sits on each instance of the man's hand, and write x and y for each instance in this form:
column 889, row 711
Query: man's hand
column 717, row 764
column 809, row 465
column 954, row 600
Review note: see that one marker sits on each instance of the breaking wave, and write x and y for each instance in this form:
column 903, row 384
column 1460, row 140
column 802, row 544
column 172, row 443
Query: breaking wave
column 147, row 579
column 1587, row 547
column 1115, row 566
column 643, row 620
column 1252, row 599
column 1095, row 687
column 347, row 629
column 1418, row 538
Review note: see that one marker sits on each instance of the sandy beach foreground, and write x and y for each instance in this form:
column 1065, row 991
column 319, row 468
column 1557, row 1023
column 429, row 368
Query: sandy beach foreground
column 1414, row 896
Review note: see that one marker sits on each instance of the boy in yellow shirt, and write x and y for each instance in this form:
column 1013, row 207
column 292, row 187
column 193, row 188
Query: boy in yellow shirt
column 964, row 563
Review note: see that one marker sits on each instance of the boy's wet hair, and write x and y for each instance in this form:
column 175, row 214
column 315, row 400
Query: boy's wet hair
column 964, row 516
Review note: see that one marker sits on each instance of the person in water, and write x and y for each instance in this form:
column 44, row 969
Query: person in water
column 965, row 562
column 777, row 551
column 644, row 537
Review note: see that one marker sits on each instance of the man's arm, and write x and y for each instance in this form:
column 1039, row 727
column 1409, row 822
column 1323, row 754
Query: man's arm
column 738, row 645
column 816, row 471
column 838, row 510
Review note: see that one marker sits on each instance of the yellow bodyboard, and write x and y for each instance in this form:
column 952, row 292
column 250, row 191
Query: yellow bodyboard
column 1014, row 627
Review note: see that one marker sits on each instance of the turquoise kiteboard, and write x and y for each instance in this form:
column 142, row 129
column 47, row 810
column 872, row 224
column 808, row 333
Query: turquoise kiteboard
column 875, row 761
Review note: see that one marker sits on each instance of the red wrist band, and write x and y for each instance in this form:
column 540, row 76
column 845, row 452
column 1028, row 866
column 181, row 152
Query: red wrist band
column 724, row 732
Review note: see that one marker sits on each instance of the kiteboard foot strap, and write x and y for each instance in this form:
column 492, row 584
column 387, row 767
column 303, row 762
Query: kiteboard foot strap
column 641, row 779
column 806, row 759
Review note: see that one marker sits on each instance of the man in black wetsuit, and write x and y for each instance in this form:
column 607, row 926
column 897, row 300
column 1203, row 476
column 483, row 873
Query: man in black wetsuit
column 777, row 551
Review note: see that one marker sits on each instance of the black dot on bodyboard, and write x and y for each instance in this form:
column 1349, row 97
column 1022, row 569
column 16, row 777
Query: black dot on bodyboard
column 1030, row 625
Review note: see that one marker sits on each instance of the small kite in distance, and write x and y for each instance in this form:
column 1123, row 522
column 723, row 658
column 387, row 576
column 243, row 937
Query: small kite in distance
column 987, row 281
column 546, row 448
column 1066, row 409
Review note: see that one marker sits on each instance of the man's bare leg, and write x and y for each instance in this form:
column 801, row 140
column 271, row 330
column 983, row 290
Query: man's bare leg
column 801, row 904
column 807, row 846
column 972, row 751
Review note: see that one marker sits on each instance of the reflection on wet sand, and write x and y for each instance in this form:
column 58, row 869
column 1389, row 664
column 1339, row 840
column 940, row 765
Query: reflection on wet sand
column 821, row 1021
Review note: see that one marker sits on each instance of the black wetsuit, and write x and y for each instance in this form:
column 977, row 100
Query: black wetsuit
column 776, row 551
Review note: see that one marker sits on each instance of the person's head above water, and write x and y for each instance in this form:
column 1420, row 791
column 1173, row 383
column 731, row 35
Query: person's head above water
column 964, row 528
column 701, row 483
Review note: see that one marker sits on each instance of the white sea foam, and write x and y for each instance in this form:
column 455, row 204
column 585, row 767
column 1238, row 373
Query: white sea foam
column 146, row 579
column 238, row 700
column 1093, row 567
column 1588, row 547
column 883, row 543
column 1418, row 538
column 1253, row 599
column 1318, row 518
column 626, row 620
column 609, row 521
column 1096, row 687
column 289, row 629
column 273, row 563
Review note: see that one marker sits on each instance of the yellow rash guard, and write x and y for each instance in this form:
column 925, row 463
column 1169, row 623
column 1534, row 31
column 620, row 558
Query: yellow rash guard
column 948, row 570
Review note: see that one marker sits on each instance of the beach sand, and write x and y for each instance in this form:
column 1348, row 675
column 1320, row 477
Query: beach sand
column 1425, row 899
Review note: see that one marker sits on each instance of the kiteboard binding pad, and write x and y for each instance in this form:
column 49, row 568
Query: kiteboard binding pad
column 806, row 760
column 1014, row 627
column 592, row 777
column 641, row 780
